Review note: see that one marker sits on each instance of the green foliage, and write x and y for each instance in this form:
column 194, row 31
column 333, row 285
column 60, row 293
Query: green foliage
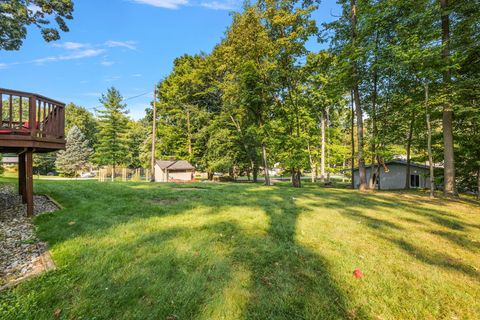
column 44, row 163
column 16, row 15
column 84, row 120
column 112, row 147
column 77, row 154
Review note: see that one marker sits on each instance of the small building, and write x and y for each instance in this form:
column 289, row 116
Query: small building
column 173, row 171
column 8, row 160
column 394, row 174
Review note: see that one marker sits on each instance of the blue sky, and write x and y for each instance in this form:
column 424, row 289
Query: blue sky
column 129, row 44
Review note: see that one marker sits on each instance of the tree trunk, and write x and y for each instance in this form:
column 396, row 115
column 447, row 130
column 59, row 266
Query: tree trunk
column 210, row 176
column 429, row 144
column 312, row 163
column 296, row 178
column 409, row 147
column 189, row 135
column 255, row 172
column 113, row 172
column 358, row 107
column 478, row 184
column 265, row 165
column 327, row 140
column 372, row 181
column 322, row 160
column 447, row 119
column 353, row 143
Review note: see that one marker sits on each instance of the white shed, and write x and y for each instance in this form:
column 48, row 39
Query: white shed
column 173, row 170
column 395, row 175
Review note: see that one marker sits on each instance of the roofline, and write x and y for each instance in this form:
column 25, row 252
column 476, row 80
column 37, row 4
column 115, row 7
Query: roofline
column 400, row 162
column 174, row 162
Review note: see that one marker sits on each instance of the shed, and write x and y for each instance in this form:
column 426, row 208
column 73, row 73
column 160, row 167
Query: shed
column 173, row 170
column 395, row 175
column 9, row 160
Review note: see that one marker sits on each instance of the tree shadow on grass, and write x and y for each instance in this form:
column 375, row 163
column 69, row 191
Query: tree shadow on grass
column 458, row 239
column 189, row 271
column 435, row 258
column 186, row 272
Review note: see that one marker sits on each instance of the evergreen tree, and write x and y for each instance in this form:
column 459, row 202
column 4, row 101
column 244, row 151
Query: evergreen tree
column 83, row 119
column 112, row 147
column 76, row 155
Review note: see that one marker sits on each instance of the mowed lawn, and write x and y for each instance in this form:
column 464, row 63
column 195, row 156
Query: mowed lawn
column 245, row 251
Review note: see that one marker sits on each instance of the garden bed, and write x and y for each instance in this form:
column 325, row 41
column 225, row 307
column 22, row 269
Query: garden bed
column 22, row 254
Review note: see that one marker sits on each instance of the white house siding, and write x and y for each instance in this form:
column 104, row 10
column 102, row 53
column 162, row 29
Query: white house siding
column 395, row 178
column 162, row 176
column 178, row 175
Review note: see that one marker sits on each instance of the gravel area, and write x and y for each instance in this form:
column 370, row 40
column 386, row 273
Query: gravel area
column 19, row 246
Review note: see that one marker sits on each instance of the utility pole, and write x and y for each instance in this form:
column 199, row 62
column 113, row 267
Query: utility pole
column 154, row 134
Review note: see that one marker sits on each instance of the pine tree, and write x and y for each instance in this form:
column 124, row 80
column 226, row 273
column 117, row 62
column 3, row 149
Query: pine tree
column 112, row 147
column 76, row 155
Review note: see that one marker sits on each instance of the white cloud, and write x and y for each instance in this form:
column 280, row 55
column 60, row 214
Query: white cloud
column 73, row 56
column 107, row 63
column 125, row 44
column 76, row 51
column 137, row 75
column 219, row 5
column 111, row 78
column 167, row 4
column 71, row 45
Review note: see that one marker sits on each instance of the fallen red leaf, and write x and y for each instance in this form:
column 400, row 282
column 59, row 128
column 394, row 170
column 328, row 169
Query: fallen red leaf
column 358, row 273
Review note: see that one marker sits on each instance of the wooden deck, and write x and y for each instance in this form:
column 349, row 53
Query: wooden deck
column 30, row 123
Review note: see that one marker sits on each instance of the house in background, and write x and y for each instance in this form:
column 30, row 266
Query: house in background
column 173, row 170
column 394, row 174
column 9, row 160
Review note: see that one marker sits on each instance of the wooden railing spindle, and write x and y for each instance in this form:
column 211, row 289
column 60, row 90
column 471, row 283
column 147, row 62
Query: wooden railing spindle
column 10, row 125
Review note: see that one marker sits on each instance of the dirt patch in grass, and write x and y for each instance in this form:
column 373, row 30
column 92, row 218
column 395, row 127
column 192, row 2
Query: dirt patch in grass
column 165, row 202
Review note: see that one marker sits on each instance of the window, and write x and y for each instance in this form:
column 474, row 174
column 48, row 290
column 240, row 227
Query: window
column 414, row 181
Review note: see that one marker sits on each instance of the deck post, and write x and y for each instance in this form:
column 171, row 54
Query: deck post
column 32, row 114
column 29, row 182
column 22, row 176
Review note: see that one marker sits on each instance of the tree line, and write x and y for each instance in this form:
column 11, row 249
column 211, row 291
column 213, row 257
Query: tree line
column 397, row 78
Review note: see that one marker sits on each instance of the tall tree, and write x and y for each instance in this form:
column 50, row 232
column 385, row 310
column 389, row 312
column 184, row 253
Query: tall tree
column 112, row 147
column 356, row 96
column 449, row 158
column 16, row 15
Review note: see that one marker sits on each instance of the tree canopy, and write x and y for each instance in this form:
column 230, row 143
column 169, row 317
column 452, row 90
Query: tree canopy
column 17, row 15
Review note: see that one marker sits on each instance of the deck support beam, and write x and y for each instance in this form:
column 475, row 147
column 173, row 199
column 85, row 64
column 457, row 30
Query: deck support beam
column 29, row 181
column 22, row 176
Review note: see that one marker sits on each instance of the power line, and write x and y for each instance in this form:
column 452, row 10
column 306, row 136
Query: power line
column 137, row 96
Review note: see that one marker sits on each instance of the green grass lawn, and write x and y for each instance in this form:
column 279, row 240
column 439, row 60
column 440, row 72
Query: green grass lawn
column 245, row 251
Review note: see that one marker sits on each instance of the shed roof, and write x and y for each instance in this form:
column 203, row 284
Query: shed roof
column 175, row 165
column 404, row 163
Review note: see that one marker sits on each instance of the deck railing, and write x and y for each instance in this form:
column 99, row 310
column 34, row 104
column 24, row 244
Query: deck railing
column 30, row 114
